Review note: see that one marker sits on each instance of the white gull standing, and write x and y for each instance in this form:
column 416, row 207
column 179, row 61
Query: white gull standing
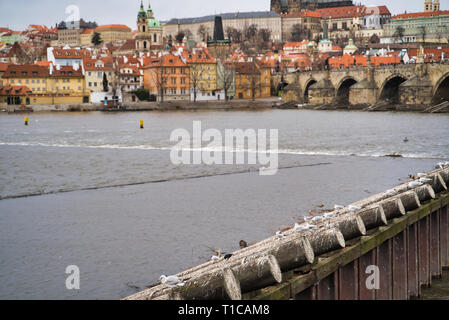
column 171, row 281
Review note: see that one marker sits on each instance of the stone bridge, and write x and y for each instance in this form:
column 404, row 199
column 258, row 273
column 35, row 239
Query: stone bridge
column 412, row 85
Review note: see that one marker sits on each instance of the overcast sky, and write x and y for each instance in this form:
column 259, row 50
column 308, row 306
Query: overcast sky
column 18, row 14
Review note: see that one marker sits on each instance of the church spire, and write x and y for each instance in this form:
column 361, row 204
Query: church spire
column 150, row 11
column 141, row 13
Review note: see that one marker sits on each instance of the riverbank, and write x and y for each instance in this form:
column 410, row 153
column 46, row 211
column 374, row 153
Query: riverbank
column 233, row 105
column 259, row 104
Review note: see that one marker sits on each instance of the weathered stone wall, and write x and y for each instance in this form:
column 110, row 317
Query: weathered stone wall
column 420, row 91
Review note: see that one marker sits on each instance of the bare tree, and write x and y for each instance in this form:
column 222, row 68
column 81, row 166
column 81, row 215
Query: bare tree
column 116, row 86
column 234, row 35
column 203, row 32
column 225, row 71
column 251, row 33
column 196, row 76
column 399, row 33
column 253, row 83
column 423, row 32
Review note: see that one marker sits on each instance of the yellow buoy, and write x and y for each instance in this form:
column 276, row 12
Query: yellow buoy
column 141, row 124
column 26, row 121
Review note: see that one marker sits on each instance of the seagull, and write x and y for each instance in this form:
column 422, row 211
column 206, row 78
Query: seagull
column 280, row 235
column 171, row 281
column 414, row 184
column 338, row 207
column 215, row 258
column 446, row 163
column 420, row 175
column 425, row 180
column 441, row 165
column 354, row 208
column 318, row 218
column 328, row 215
column 303, row 227
column 392, row 192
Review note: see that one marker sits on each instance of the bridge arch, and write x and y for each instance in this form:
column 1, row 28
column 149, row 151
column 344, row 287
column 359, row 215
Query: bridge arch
column 441, row 90
column 342, row 93
column 390, row 88
column 309, row 83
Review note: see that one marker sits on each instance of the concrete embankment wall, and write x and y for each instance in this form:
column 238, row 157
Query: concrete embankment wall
column 148, row 106
column 400, row 236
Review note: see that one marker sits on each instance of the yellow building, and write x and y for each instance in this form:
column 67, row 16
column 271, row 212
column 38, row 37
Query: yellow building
column 94, row 71
column 112, row 33
column 203, row 72
column 49, row 85
column 86, row 37
column 252, row 80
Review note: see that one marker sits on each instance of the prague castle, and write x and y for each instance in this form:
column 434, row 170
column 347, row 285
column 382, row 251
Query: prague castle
column 295, row 6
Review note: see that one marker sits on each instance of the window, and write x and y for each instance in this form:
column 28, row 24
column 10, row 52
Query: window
column 38, row 81
column 90, row 84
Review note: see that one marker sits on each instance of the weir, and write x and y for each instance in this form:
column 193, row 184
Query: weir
column 386, row 247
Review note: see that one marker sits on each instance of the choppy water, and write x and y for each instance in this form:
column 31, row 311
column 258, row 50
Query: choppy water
column 132, row 215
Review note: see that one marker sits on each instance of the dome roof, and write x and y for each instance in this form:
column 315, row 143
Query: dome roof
column 153, row 23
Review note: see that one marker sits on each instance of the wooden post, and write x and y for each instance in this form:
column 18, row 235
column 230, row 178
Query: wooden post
column 348, row 281
column 423, row 252
column 435, row 266
column 368, row 259
column 384, row 264
column 400, row 267
column 444, row 237
column 412, row 253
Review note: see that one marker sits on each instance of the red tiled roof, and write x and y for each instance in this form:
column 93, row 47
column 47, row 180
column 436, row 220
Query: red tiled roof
column 168, row 60
column 89, row 64
column 129, row 44
column 307, row 13
column 14, row 90
column 67, row 72
column 120, row 27
column 382, row 10
column 26, row 70
column 198, row 55
column 88, row 31
column 421, row 14
column 342, row 12
column 4, row 66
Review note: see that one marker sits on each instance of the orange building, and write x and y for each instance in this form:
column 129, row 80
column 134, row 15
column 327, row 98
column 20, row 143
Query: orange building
column 169, row 74
column 252, row 80
column 349, row 61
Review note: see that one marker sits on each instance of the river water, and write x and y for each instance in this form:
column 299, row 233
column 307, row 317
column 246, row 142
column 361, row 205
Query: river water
column 95, row 191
